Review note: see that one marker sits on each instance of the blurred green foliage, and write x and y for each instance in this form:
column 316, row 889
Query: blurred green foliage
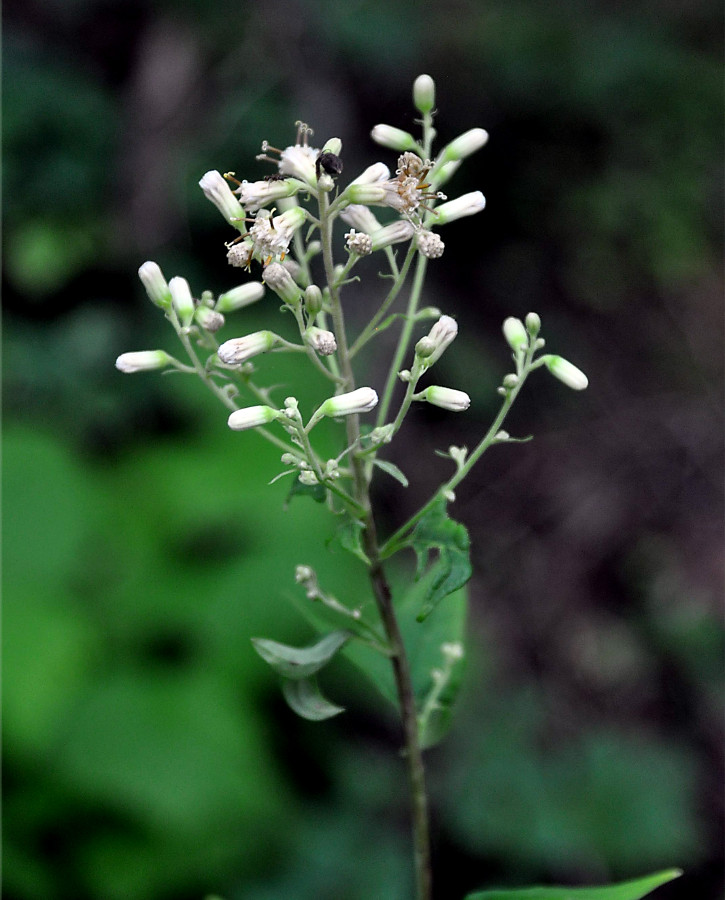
column 147, row 753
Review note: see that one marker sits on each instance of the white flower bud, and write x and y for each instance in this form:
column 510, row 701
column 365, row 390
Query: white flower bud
column 394, row 138
column 446, row 398
column 361, row 218
column 431, row 347
column 282, row 283
column 465, row 205
column 515, row 334
column 220, row 194
column 143, row 361
column 209, row 319
column 364, row 193
column 374, row 174
column 239, row 350
column 359, row 243
column 533, row 323
column 566, row 372
column 320, row 340
column 240, row 254
column 402, row 230
column 156, row 287
column 239, row 297
column 255, row 194
column 430, row 244
column 361, row 400
column 182, row 300
column 334, row 146
column 251, row 417
column 424, row 93
column 464, row 145
column 453, row 651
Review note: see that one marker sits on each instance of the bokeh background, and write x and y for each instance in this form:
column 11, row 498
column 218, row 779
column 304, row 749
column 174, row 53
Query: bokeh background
column 147, row 753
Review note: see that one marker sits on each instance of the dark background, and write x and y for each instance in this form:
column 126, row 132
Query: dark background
column 148, row 755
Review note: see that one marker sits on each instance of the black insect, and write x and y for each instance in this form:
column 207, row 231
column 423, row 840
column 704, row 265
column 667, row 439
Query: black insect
column 274, row 177
column 328, row 163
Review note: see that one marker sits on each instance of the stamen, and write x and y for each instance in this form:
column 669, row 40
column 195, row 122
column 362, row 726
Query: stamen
column 230, row 177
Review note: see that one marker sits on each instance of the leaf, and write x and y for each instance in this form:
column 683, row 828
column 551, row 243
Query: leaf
column 392, row 470
column 452, row 569
column 349, row 536
column 625, row 890
column 305, row 699
column 318, row 492
column 300, row 662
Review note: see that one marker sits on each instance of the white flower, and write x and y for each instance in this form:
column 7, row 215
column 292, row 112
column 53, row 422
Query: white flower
column 253, row 195
column 361, row 400
column 240, row 253
column 239, row 297
column 272, row 235
column 153, row 280
column 252, row 417
column 239, row 350
column 182, row 300
column 374, row 174
column 566, row 372
column 218, row 191
column 142, row 361
column 465, row 205
column 515, row 333
column 446, row 398
column 209, row 319
column 298, row 160
column 394, row 138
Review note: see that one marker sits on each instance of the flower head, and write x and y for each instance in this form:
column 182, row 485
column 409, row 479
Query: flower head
column 239, row 350
column 253, row 195
column 142, row 361
column 252, row 417
column 271, row 235
column 298, row 160
column 220, row 194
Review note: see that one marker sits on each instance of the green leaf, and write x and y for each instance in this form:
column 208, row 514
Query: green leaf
column 392, row 470
column 305, row 699
column 435, row 531
column 318, row 492
column 349, row 536
column 296, row 663
column 625, row 890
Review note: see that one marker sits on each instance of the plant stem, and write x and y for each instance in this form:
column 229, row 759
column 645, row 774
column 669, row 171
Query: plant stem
column 381, row 587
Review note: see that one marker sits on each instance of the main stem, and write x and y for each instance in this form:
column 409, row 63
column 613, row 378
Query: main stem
column 381, row 590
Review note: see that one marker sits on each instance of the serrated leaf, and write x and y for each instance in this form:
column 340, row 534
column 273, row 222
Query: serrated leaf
column 625, row 890
column 436, row 531
column 391, row 470
column 300, row 662
column 349, row 536
column 305, row 699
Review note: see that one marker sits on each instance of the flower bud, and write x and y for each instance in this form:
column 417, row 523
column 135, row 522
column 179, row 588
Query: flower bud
column 142, row 361
column 402, row 230
column 182, row 300
column 313, row 300
column 566, row 372
column 364, row 193
column 239, row 297
column 208, row 319
column 220, row 194
column 515, row 334
column 446, row 398
column 360, row 218
column 240, row 254
column 533, row 323
column 374, row 174
column 464, row 145
column 251, row 417
column 282, row 283
column 424, row 93
column 156, row 287
column 394, row 138
column 465, row 205
column 334, row 146
column 323, row 342
column 239, row 350
column 431, row 347
column 359, row 243
column 361, row 400
column 430, row 244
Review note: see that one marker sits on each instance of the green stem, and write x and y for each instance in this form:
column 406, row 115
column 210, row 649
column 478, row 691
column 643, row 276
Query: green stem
column 381, row 588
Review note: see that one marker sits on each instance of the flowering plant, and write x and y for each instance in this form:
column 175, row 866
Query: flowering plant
column 410, row 641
